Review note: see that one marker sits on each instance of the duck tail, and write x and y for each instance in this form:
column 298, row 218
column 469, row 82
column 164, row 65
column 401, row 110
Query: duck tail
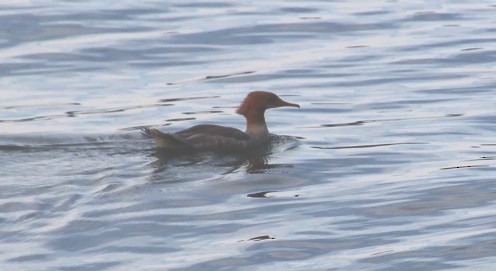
column 167, row 142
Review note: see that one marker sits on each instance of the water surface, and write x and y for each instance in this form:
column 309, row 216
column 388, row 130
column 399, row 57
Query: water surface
column 393, row 169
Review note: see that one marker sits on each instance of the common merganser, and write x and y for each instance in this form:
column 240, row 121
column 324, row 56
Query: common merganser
column 216, row 138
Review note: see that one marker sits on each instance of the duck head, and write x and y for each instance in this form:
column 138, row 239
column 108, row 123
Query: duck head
column 257, row 102
column 253, row 109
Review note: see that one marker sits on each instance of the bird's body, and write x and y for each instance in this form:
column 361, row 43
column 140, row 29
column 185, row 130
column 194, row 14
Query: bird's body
column 209, row 137
column 205, row 137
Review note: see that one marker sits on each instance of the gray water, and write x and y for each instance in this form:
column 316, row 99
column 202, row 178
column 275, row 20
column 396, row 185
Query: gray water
column 393, row 167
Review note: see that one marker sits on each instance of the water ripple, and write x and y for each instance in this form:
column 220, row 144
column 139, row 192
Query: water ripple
column 388, row 165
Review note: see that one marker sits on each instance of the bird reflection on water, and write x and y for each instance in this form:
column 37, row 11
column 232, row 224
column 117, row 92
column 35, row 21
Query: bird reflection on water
column 256, row 161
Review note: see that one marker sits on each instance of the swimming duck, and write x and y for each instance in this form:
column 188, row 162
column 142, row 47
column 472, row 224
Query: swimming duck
column 216, row 138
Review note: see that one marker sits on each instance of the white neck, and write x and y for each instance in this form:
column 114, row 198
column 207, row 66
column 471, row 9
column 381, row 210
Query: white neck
column 257, row 130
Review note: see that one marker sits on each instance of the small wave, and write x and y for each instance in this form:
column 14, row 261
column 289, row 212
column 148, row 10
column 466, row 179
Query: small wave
column 15, row 142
